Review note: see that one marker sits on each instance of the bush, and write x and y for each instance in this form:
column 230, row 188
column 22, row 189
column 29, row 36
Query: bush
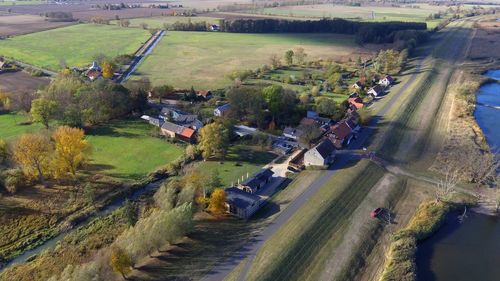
column 13, row 179
column 3, row 151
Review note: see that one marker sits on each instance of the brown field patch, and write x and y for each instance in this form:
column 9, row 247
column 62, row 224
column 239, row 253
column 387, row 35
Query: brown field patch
column 20, row 82
column 22, row 24
column 486, row 43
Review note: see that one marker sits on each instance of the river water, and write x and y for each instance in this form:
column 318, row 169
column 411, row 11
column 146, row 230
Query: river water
column 470, row 250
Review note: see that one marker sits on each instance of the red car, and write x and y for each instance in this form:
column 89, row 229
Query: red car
column 375, row 213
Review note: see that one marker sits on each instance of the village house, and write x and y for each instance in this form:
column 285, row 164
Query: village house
column 181, row 118
column 205, row 94
column 386, row 81
column 172, row 130
column 356, row 103
column 292, row 133
column 358, row 85
column 241, row 203
column 214, row 27
column 342, row 134
column 94, row 72
column 322, row 154
column 376, row 91
column 257, row 181
column 222, row 110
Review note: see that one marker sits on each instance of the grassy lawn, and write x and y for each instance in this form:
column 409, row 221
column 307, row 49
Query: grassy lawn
column 337, row 97
column 240, row 160
column 308, row 237
column 10, row 125
column 199, row 59
column 124, row 149
column 366, row 13
column 76, row 44
column 158, row 22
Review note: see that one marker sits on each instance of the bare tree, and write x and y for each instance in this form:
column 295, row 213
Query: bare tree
column 446, row 186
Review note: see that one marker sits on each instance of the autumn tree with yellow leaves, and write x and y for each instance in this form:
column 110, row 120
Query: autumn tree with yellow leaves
column 71, row 150
column 33, row 153
column 107, row 70
column 217, row 203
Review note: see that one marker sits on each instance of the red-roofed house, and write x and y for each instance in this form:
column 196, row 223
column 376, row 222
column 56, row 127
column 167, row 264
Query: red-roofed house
column 341, row 134
column 356, row 102
column 206, row 94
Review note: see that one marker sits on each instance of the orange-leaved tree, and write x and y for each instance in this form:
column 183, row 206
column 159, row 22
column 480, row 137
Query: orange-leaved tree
column 107, row 70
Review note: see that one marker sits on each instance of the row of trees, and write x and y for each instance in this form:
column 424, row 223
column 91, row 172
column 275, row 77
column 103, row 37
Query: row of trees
column 366, row 32
column 40, row 156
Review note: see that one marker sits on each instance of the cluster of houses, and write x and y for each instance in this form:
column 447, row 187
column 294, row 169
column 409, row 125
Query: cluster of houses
column 378, row 89
column 176, row 124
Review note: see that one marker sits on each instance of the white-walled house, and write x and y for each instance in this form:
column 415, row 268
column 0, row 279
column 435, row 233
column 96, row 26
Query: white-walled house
column 322, row 154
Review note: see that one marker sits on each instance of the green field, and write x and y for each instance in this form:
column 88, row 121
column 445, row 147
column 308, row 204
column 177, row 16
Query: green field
column 202, row 59
column 124, row 149
column 366, row 13
column 239, row 161
column 158, row 22
column 10, row 125
column 76, row 45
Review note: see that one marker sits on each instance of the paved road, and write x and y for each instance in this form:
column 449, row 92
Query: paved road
column 249, row 251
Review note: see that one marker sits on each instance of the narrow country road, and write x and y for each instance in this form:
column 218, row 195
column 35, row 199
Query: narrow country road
column 250, row 250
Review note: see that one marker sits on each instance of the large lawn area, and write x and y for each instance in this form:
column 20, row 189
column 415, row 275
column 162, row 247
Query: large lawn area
column 124, row 149
column 10, row 125
column 158, row 22
column 366, row 13
column 76, row 45
column 240, row 160
column 202, row 59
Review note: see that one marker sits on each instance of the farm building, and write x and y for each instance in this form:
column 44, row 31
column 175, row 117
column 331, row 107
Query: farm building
column 292, row 133
column 257, row 181
column 356, row 103
column 222, row 110
column 241, row 203
column 94, row 72
column 320, row 155
column 172, row 130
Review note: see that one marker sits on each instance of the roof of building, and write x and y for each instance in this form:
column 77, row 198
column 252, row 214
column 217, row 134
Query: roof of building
column 240, row 198
column 325, row 148
column 204, row 93
column 257, row 179
column 169, row 126
column 187, row 133
column 341, row 130
column 188, row 118
column 307, row 121
column 378, row 89
column 155, row 121
column 389, row 78
column 292, row 131
column 93, row 73
column 356, row 102
column 224, row 107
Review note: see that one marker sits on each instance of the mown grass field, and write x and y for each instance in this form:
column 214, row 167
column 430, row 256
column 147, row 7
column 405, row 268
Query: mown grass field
column 125, row 149
column 158, row 22
column 365, row 13
column 202, row 59
column 240, row 160
column 305, row 240
column 77, row 45
column 10, row 125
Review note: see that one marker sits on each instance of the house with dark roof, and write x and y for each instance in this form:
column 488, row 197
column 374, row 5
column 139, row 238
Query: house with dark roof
column 292, row 133
column 358, row 85
column 322, row 154
column 386, row 81
column 376, row 91
column 241, row 203
column 222, row 110
column 181, row 118
column 257, row 181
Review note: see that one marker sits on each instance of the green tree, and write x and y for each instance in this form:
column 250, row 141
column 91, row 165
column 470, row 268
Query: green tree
column 214, row 181
column 214, row 140
column 300, row 55
column 289, row 57
column 43, row 110
column 326, row 106
column 309, row 133
column 3, row 151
